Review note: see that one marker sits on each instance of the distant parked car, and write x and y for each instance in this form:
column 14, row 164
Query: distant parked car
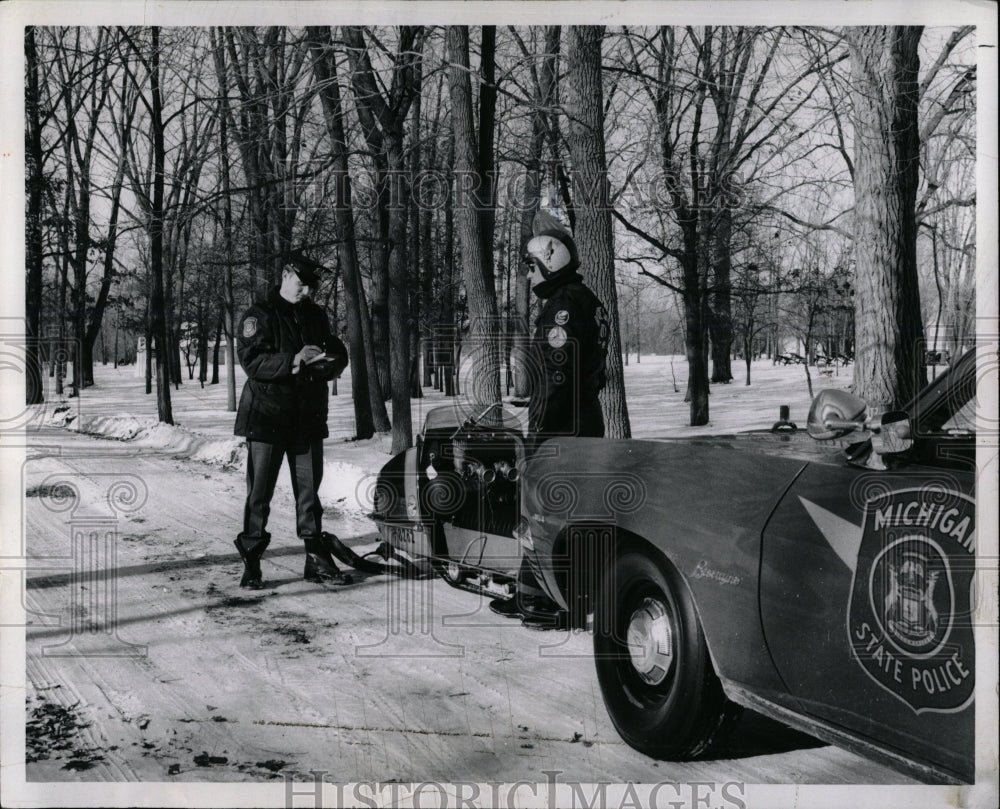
column 934, row 357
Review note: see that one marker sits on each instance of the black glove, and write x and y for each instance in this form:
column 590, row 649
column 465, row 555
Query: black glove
column 304, row 355
column 333, row 364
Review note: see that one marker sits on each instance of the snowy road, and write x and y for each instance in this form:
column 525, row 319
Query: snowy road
column 386, row 679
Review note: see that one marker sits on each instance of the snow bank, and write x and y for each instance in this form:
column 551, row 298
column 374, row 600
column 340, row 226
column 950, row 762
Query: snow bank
column 229, row 453
column 150, row 433
column 345, row 485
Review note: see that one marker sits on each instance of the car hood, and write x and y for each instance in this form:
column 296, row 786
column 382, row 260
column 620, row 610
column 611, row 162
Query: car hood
column 795, row 444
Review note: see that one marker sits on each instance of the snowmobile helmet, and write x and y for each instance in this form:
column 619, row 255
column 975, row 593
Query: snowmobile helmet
column 549, row 254
column 552, row 248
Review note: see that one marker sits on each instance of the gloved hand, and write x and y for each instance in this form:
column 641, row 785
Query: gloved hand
column 304, row 355
column 332, row 365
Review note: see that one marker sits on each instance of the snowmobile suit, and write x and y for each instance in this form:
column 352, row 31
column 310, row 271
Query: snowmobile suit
column 568, row 360
column 568, row 368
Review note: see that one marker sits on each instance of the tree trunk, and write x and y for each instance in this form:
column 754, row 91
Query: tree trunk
column 484, row 384
column 156, row 303
column 427, row 265
column 694, row 339
column 889, row 366
column 215, row 349
column 100, row 304
column 447, row 341
column 365, row 92
column 202, row 352
column 148, row 332
column 485, row 147
column 383, row 125
column 83, row 367
column 228, row 318
column 399, row 328
column 369, row 406
column 83, row 146
column 252, row 135
column 638, row 328
column 721, row 331
column 594, row 235
column 417, row 310
column 33, row 224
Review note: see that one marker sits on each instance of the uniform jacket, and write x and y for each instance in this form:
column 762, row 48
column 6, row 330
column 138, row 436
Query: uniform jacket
column 277, row 405
column 567, row 360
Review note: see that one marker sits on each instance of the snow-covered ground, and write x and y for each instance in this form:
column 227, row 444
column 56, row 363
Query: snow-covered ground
column 129, row 525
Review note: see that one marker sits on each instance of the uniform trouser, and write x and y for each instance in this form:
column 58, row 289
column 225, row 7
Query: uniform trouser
column 305, row 464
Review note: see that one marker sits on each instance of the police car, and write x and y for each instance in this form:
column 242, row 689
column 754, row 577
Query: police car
column 823, row 577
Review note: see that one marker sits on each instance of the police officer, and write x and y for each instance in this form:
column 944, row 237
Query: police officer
column 568, row 366
column 568, row 350
column 288, row 351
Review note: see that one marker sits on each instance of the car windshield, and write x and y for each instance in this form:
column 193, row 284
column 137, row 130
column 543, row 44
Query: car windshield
column 963, row 419
column 948, row 404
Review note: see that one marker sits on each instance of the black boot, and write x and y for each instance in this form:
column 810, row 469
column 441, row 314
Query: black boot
column 507, row 607
column 320, row 566
column 251, row 549
column 541, row 612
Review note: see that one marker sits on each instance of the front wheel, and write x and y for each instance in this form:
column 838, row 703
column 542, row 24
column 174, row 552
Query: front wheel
column 653, row 665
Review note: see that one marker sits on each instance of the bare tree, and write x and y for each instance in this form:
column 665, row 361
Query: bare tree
column 34, row 246
column 149, row 58
column 470, row 212
column 129, row 102
column 369, row 407
column 229, row 257
column 84, row 98
column 889, row 367
column 584, row 103
column 725, row 118
column 382, row 121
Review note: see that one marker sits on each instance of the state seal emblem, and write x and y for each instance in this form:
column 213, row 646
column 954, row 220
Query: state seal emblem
column 910, row 614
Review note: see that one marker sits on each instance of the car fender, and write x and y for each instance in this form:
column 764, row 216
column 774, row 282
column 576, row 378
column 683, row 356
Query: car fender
column 702, row 507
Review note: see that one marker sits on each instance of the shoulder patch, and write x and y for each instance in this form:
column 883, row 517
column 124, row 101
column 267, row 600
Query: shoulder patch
column 250, row 327
column 556, row 337
column 562, row 317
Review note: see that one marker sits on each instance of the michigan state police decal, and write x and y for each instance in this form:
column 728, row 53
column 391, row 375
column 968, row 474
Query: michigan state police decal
column 910, row 616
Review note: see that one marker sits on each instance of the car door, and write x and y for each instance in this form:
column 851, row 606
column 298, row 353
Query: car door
column 866, row 595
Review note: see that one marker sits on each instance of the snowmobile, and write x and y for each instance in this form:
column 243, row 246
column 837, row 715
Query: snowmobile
column 450, row 505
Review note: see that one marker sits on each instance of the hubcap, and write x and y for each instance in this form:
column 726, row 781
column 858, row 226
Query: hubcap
column 650, row 641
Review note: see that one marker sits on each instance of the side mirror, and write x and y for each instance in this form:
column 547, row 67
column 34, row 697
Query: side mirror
column 835, row 413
